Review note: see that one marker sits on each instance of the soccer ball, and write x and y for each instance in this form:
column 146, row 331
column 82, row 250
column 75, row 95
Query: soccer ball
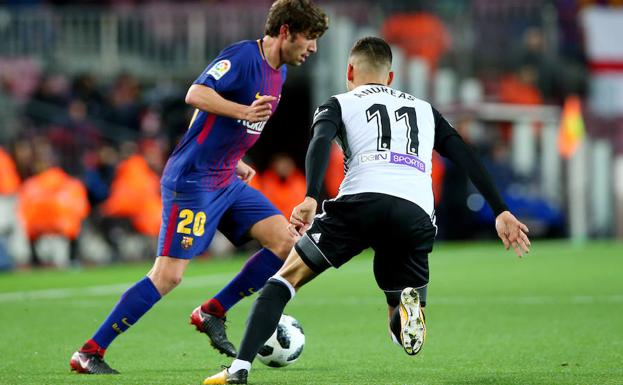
column 286, row 344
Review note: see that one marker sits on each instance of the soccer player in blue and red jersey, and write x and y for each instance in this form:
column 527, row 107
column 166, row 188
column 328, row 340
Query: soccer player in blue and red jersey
column 203, row 184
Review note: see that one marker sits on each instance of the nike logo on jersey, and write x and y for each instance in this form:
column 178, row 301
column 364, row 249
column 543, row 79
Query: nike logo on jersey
column 258, row 127
column 257, row 96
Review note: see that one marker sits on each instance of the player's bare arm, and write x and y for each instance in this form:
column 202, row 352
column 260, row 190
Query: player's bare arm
column 207, row 99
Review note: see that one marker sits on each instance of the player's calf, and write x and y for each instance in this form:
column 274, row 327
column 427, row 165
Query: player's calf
column 167, row 273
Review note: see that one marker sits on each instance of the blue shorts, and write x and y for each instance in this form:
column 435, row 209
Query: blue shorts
column 189, row 220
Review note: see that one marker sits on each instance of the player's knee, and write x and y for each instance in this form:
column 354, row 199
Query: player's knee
column 170, row 282
column 165, row 281
column 285, row 247
column 281, row 246
column 174, row 280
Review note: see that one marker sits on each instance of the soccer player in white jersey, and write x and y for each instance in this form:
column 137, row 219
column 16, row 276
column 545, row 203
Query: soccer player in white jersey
column 385, row 202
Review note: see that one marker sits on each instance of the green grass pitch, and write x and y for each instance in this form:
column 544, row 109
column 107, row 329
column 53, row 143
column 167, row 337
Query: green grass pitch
column 554, row 317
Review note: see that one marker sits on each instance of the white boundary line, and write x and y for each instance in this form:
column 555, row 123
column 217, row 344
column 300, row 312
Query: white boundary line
column 118, row 288
column 468, row 301
column 216, row 279
column 103, row 290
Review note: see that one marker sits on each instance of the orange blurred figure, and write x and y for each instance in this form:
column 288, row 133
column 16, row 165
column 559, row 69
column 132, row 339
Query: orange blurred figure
column 335, row 171
column 148, row 220
column 256, row 182
column 419, row 35
column 135, row 194
column 53, row 202
column 283, row 184
column 9, row 178
column 437, row 173
column 520, row 88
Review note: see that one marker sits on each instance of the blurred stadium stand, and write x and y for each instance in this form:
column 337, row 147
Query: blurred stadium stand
column 88, row 87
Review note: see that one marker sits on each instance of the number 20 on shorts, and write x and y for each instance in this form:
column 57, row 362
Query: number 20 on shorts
column 188, row 217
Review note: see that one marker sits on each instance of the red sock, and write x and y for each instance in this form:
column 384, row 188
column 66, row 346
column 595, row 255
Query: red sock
column 92, row 347
column 214, row 308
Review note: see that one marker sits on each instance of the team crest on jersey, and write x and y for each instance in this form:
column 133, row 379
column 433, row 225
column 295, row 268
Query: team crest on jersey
column 187, row 242
column 219, row 69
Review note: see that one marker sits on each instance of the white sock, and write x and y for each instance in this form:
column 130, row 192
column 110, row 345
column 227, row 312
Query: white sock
column 239, row 364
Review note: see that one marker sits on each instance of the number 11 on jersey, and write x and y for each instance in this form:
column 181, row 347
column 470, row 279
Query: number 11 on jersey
column 379, row 113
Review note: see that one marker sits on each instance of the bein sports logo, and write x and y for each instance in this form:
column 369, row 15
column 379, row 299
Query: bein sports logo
column 393, row 158
column 408, row 160
column 374, row 157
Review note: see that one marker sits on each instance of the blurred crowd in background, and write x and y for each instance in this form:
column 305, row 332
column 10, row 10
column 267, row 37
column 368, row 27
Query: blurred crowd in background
column 81, row 152
column 87, row 150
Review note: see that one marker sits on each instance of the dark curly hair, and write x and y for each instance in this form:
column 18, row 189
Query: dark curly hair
column 301, row 16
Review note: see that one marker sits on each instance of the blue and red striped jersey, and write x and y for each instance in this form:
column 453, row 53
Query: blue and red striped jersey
column 206, row 157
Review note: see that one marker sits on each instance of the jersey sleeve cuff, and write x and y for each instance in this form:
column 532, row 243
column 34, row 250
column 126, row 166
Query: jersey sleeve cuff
column 499, row 209
column 313, row 194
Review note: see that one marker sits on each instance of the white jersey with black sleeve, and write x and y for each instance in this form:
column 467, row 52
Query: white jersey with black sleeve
column 387, row 137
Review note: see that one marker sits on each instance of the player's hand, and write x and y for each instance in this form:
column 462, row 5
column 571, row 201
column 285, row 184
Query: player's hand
column 244, row 171
column 294, row 233
column 260, row 110
column 303, row 215
column 512, row 233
